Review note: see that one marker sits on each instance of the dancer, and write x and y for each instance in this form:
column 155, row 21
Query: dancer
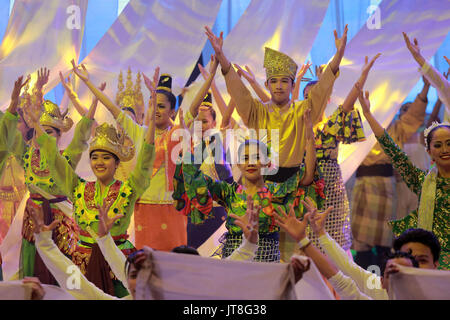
column 373, row 193
column 280, row 113
column 37, row 173
column 343, row 126
column 433, row 212
column 106, row 150
column 194, row 193
column 211, row 147
column 157, row 223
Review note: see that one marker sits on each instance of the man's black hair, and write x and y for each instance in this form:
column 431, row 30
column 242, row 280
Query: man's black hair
column 422, row 236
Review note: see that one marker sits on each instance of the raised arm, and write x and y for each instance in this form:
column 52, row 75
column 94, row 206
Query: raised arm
column 245, row 104
column 310, row 157
column 198, row 99
column 336, row 258
column 83, row 74
column 296, row 93
column 151, row 86
column 227, row 117
column 64, row 175
column 377, row 129
column 217, row 96
column 350, row 100
column 42, row 79
column 321, row 91
column 11, row 139
column 410, row 174
column 61, row 267
column 250, row 77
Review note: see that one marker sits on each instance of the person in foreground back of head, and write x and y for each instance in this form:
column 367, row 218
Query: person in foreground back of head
column 369, row 283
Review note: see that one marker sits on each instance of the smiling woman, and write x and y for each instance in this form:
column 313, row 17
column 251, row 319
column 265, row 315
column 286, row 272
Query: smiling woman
column 432, row 187
column 107, row 149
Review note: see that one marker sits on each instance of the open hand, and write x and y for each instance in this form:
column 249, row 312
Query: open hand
column 105, row 223
column 316, row 219
column 37, row 216
column 216, row 42
column 341, row 42
column 249, row 223
column 82, row 72
column 289, row 223
column 247, row 73
column 42, row 78
column 363, row 100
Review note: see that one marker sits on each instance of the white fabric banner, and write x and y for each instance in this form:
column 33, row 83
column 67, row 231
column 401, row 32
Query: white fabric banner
column 16, row 290
column 40, row 33
column 289, row 26
column 420, row 284
column 177, row 276
column 395, row 72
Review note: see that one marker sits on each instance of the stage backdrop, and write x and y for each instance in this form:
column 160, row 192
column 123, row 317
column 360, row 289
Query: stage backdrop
column 40, row 33
column 147, row 34
column 395, row 72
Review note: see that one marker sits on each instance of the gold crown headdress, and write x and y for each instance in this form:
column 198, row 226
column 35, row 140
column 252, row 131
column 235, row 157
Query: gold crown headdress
column 434, row 125
column 130, row 97
column 51, row 116
column 279, row 64
column 108, row 139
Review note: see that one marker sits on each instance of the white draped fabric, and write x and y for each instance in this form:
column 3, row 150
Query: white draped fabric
column 174, row 276
column 420, row 284
column 40, row 33
column 16, row 290
column 395, row 72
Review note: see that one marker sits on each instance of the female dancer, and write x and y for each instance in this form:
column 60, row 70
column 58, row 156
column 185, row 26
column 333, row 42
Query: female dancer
column 37, row 173
column 343, row 126
column 432, row 188
column 106, row 151
column 194, row 193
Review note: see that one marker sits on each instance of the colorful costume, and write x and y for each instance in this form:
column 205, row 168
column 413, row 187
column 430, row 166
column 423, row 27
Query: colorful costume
column 287, row 120
column 215, row 166
column 414, row 178
column 374, row 190
column 12, row 183
column 87, row 195
column 345, row 128
column 195, row 192
column 37, row 173
column 157, row 223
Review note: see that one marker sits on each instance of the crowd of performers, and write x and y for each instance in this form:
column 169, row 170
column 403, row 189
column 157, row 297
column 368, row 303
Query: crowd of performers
column 271, row 211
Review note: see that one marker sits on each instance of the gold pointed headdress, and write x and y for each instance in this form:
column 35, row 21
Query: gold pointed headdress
column 279, row 64
column 130, row 96
column 108, row 139
column 51, row 116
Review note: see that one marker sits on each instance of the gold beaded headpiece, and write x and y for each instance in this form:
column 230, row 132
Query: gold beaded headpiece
column 279, row 64
column 51, row 116
column 130, row 97
column 108, row 139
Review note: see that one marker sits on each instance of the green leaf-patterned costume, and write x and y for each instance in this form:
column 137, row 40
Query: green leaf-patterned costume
column 195, row 192
column 414, row 178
